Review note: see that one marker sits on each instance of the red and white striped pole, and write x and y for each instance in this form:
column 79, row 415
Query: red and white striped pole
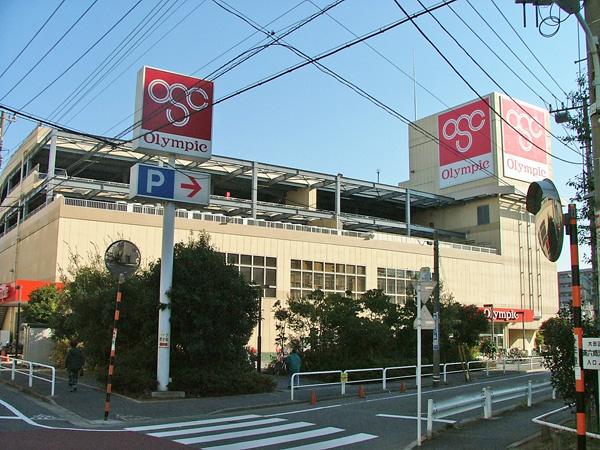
column 111, row 362
column 577, row 329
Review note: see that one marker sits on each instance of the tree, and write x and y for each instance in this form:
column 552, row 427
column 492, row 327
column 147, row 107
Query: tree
column 44, row 306
column 337, row 331
column 214, row 311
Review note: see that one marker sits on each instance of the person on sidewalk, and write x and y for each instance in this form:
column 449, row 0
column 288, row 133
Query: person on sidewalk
column 74, row 363
column 293, row 363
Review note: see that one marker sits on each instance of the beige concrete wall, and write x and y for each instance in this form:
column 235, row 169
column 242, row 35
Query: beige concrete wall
column 59, row 231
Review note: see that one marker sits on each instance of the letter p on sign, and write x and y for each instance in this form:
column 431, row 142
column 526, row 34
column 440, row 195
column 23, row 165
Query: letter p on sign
column 155, row 179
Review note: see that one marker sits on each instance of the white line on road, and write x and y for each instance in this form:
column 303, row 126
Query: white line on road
column 279, row 439
column 239, row 434
column 190, row 423
column 230, row 426
column 10, row 418
column 393, row 416
column 339, row 442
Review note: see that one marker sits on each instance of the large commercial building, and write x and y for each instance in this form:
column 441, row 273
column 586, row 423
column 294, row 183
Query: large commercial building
column 294, row 230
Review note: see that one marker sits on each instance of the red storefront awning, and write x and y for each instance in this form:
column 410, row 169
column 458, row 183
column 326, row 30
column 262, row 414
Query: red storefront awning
column 19, row 290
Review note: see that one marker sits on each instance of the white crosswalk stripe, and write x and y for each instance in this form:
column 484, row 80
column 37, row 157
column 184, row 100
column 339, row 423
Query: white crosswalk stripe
column 252, row 431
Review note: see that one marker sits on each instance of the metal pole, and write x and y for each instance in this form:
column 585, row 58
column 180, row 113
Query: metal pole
column 18, row 330
column 523, row 324
column 51, row 167
column 166, row 281
column 2, row 127
column 259, row 342
column 419, row 362
column 493, row 328
column 436, row 310
column 577, row 329
column 254, row 194
column 113, row 348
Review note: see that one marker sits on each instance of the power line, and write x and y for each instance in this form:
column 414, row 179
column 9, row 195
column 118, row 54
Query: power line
column 104, row 66
column 470, row 85
column 236, row 61
column 106, row 33
column 32, row 38
column 527, row 47
column 392, row 63
column 49, row 50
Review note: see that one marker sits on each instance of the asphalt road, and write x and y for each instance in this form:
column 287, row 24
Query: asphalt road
column 380, row 421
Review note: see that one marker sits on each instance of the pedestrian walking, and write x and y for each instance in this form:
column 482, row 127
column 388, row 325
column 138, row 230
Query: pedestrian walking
column 74, row 363
column 293, row 363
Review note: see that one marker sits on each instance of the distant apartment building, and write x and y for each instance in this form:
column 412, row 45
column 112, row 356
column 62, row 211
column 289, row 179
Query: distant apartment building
column 565, row 296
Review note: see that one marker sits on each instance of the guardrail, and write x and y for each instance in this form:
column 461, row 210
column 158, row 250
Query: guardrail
column 484, row 399
column 538, row 420
column 13, row 365
column 472, row 366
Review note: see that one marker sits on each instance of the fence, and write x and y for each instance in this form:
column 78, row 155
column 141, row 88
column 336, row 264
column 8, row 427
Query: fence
column 485, row 400
column 406, row 372
column 32, row 370
column 539, row 420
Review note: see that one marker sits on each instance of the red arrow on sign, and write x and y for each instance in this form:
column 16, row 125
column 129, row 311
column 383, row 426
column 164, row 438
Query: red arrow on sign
column 194, row 186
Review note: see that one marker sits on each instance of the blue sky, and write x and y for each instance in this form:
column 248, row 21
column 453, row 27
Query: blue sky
column 304, row 119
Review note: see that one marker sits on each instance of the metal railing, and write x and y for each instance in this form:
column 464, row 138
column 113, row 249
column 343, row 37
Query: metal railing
column 33, row 370
column 538, row 420
column 386, row 376
column 483, row 399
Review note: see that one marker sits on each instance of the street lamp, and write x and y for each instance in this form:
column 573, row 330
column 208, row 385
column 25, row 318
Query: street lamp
column 261, row 288
column 491, row 307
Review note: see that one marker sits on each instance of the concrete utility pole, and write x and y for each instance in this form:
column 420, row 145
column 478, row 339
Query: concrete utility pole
column 436, row 310
column 591, row 26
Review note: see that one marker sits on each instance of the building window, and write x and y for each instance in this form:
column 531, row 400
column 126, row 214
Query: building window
column 259, row 270
column 483, row 214
column 395, row 283
column 307, row 276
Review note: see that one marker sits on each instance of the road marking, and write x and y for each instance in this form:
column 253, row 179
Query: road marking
column 10, row 418
column 230, row 426
column 393, row 416
column 339, row 442
column 191, row 423
column 238, row 434
column 279, row 439
column 318, row 408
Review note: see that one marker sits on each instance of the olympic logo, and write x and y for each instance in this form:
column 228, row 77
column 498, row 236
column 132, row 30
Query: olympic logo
column 469, row 120
column 170, row 98
column 532, row 130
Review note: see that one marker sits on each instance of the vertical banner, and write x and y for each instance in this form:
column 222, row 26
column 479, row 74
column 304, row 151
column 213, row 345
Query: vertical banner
column 173, row 115
column 465, row 149
column 525, row 141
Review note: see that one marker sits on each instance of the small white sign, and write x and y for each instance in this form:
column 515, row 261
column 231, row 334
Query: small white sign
column 591, row 353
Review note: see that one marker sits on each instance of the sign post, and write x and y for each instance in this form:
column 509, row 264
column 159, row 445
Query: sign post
column 424, row 320
column 173, row 119
column 122, row 259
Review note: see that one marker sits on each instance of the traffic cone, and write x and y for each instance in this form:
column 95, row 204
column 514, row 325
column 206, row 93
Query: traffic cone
column 313, row 397
column 361, row 392
column 402, row 387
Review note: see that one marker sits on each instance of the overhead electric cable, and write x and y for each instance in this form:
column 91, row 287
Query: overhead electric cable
column 39, row 61
column 32, row 38
column 462, row 77
column 527, row 47
column 511, row 50
column 109, row 61
column 236, row 61
column 392, row 63
column 106, row 33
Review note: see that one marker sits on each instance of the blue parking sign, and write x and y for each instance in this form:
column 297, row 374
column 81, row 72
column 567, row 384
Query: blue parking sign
column 157, row 182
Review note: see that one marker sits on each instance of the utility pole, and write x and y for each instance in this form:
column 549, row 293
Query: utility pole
column 592, row 21
column 436, row 310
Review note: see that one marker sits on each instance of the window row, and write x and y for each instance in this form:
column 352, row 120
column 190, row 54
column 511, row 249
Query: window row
column 318, row 266
column 328, row 281
column 259, row 270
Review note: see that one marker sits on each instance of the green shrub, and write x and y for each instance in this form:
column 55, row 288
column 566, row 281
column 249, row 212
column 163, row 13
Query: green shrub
column 205, row 383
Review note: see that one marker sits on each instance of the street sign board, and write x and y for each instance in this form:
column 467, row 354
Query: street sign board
column 173, row 115
column 591, row 353
column 168, row 184
column 427, row 322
